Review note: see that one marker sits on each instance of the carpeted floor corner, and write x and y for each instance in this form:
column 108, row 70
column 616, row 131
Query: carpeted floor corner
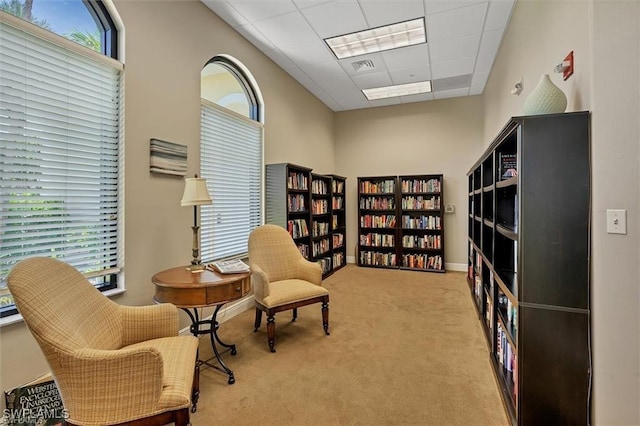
column 405, row 348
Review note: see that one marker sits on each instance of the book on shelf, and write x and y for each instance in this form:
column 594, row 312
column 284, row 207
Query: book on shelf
column 508, row 166
column 36, row 403
column 234, row 266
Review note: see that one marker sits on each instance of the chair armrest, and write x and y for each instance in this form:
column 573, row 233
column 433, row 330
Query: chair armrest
column 140, row 323
column 110, row 386
column 260, row 282
column 309, row 271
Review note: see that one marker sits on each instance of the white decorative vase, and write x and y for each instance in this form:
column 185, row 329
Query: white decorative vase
column 546, row 98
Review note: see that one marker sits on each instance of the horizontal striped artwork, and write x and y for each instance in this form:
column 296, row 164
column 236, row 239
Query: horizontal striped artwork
column 168, row 158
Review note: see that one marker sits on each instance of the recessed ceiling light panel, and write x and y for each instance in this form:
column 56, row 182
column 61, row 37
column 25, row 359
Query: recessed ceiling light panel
column 397, row 90
column 392, row 36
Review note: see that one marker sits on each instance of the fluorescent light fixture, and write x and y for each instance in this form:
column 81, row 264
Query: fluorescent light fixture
column 392, row 36
column 397, row 90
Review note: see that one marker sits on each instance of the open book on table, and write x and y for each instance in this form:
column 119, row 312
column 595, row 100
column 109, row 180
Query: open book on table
column 235, row 266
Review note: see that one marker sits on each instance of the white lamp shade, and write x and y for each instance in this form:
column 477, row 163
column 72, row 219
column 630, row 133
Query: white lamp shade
column 195, row 192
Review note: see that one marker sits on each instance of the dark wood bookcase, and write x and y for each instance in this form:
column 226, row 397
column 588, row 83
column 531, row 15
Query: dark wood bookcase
column 307, row 205
column 401, row 222
column 528, row 267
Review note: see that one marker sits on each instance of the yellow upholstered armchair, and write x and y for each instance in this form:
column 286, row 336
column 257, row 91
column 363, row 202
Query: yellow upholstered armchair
column 112, row 364
column 282, row 278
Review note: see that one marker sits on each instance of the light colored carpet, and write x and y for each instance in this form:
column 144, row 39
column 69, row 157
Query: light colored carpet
column 405, row 348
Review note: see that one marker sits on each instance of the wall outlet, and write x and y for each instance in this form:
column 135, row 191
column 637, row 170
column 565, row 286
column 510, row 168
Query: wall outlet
column 616, row 221
column 449, row 208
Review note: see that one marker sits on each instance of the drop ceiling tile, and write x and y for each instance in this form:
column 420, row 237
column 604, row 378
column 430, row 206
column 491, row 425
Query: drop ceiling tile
column 407, row 57
column 453, row 68
column 281, row 59
column 498, row 14
column 311, row 53
column 384, row 102
column 255, row 10
column 286, row 30
column 250, row 32
column 335, row 18
column 478, row 82
column 368, row 81
column 456, row 22
column 490, row 42
column 455, row 93
column 432, row 6
column 329, row 75
column 302, row 4
column 453, row 49
column 379, row 13
column 226, row 11
column 410, row 75
column 484, row 63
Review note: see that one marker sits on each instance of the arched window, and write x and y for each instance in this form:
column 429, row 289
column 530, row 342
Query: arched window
column 231, row 157
column 60, row 134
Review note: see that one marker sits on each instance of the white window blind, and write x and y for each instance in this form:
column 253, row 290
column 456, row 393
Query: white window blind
column 231, row 161
column 59, row 153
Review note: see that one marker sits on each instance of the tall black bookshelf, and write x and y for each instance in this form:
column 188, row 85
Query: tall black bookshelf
column 528, row 268
column 311, row 207
column 401, row 222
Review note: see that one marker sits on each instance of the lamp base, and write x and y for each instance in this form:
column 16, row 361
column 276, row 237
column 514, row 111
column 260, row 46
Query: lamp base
column 196, row 268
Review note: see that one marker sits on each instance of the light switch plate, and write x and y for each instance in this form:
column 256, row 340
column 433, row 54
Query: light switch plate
column 616, row 221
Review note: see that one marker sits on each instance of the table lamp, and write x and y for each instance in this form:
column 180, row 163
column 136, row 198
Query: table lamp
column 195, row 194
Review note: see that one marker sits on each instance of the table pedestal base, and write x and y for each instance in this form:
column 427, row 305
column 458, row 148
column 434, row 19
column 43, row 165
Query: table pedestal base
column 210, row 327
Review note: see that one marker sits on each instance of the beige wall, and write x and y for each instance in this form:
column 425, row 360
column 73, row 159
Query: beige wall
column 441, row 136
column 167, row 44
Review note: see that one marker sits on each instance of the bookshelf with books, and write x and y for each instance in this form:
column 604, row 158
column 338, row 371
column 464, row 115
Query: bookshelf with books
column 321, row 222
column 288, row 202
column 421, row 238
column 528, row 265
column 338, row 222
column 377, row 212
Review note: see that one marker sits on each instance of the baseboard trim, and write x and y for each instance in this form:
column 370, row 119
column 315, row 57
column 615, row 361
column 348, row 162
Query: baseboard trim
column 227, row 312
column 460, row 267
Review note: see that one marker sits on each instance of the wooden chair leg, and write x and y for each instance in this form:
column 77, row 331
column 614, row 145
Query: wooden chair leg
column 325, row 316
column 258, row 320
column 295, row 314
column 182, row 417
column 271, row 331
column 195, row 388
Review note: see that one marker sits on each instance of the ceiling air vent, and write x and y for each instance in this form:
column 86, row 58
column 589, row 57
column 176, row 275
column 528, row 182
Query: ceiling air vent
column 367, row 64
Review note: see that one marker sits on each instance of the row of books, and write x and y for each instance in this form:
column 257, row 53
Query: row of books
column 319, row 187
column 508, row 360
column 509, row 313
column 296, row 203
column 422, row 261
column 377, row 259
column 297, row 181
column 335, row 221
column 298, row 228
column 380, row 187
column 304, row 250
column 320, row 206
column 422, row 241
column 421, row 185
column 422, row 222
column 337, row 203
column 338, row 240
column 338, row 259
column 420, row 203
column 337, row 186
column 321, row 247
column 377, row 240
column 377, row 203
column 378, row 221
column 325, row 264
column 320, row 229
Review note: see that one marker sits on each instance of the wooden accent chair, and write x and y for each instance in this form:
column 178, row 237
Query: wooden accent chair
column 282, row 278
column 112, row 364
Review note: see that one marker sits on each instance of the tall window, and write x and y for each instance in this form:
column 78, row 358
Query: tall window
column 59, row 141
column 231, row 158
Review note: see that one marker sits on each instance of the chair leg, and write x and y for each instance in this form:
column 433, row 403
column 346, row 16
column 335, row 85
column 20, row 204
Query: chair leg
column 195, row 388
column 295, row 314
column 325, row 316
column 182, row 417
column 256, row 324
column 271, row 331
